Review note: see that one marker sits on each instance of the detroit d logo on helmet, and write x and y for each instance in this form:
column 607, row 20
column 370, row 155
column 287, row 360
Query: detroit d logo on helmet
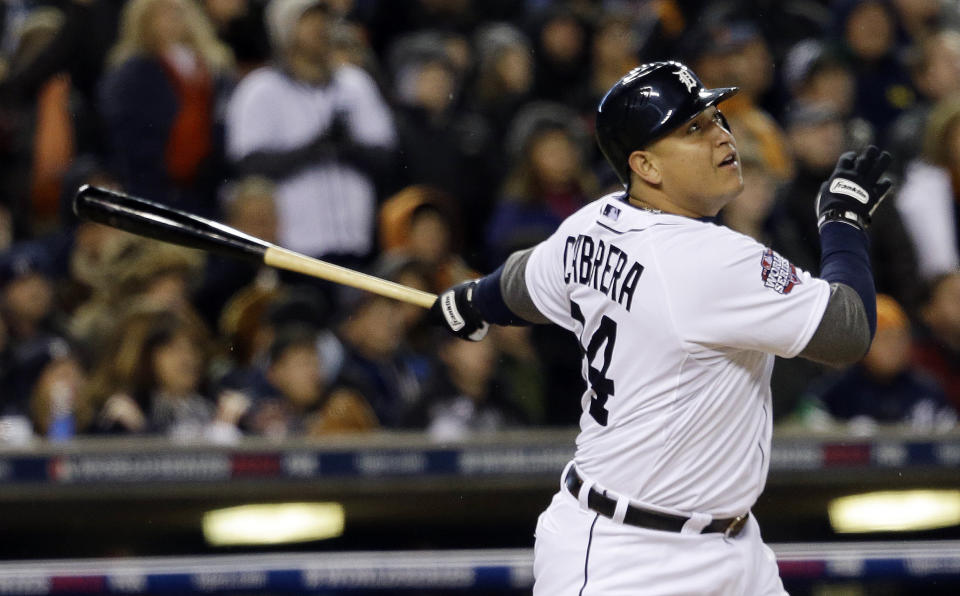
column 686, row 78
column 777, row 273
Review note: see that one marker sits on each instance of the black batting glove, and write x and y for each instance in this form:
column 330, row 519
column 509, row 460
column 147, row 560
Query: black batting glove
column 455, row 310
column 854, row 190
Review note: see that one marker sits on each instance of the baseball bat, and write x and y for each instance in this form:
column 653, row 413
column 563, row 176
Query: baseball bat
column 160, row 222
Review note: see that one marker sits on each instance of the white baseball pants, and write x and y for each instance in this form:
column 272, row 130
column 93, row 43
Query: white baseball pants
column 581, row 553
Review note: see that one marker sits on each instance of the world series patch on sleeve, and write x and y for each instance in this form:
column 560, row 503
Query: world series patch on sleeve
column 777, row 273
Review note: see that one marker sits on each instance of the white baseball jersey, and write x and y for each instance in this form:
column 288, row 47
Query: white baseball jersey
column 678, row 320
column 327, row 207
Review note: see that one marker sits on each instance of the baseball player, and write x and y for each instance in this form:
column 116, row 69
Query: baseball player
column 678, row 320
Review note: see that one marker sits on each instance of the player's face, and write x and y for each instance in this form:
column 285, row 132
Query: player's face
column 700, row 168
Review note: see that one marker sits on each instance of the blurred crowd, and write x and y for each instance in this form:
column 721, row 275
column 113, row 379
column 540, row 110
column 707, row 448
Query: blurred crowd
column 423, row 141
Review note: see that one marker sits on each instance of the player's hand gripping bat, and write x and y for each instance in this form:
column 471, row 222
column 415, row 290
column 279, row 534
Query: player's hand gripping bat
column 161, row 222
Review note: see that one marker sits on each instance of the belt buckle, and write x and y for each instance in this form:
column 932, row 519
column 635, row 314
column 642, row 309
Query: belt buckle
column 736, row 526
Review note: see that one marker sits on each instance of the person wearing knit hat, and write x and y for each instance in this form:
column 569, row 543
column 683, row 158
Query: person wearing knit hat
column 27, row 293
column 321, row 131
column 282, row 15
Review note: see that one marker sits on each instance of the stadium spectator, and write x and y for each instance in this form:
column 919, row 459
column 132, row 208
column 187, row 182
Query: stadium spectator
column 935, row 69
column 615, row 50
column 816, row 73
column 30, row 165
column 296, row 386
column 249, row 206
column 550, row 178
column 250, row 324
column 938, row 350
column 885, row 388
column 153, row 380
column 130, row 270
column 467, row 393
column 53, row 373
column 323, row 133
column 159, row 98
column 867, row 32
column 928, row 201
column 27, row 299
column 376, row 363
column 50, row 110
column 304, row 306
column 299, row 402
column 418, row 222
column 502, row 85
column 438, row 144
column 52, row 143
column 561, row 37
column 735, row 54
column 78, row 49
column 504, row 81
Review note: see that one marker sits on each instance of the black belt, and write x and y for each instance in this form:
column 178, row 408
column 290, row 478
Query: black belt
column 645, row 518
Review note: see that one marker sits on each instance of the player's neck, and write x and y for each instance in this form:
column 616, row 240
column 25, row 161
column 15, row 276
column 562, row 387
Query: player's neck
column 659, row 202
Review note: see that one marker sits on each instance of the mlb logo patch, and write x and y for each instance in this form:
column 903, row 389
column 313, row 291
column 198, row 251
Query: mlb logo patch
column 611, row 212
column 777, row 273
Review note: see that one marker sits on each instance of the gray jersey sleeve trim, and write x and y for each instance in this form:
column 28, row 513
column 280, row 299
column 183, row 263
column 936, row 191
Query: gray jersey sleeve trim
column 843, row 336
column 513, row 286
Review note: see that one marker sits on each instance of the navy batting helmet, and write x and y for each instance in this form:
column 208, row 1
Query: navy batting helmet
column 646, row 104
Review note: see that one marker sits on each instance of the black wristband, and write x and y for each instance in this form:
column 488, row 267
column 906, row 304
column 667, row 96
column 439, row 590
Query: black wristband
column 846, row 216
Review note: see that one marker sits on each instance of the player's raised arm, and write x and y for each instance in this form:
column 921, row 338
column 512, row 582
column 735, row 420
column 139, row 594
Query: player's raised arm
column 467, row 309
column 845, row 206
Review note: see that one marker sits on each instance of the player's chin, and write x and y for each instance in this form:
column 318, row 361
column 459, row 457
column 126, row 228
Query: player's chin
column 731, row 189
column 731, row 177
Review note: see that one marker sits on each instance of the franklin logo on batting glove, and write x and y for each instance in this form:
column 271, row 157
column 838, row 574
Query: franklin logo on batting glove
column 851, row 189
column 450, row 313
column 456, row 310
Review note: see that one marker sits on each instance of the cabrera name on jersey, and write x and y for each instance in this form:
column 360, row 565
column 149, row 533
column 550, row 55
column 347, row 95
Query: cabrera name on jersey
column 592, row 262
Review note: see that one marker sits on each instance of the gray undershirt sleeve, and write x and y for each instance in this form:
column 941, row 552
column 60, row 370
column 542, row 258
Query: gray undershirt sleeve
column 513, row 286
column 843, row 336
